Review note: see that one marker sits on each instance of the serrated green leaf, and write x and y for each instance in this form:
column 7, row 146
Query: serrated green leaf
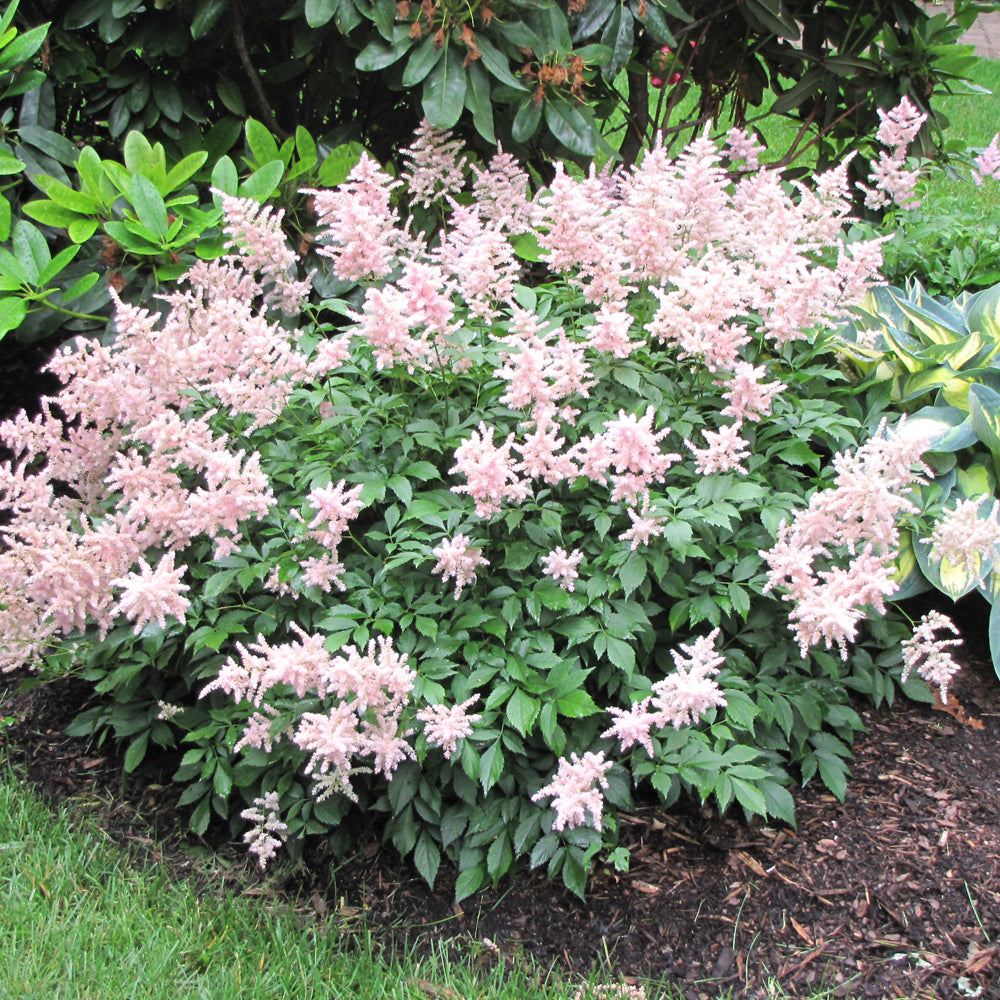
column 427, row 858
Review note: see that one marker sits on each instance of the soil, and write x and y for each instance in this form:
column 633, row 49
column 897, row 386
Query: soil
column 893, row 893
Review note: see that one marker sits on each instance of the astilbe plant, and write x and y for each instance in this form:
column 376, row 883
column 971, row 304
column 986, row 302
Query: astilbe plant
column 492, row 554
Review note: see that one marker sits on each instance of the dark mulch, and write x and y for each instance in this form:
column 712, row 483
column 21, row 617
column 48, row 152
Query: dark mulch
column 893, row 893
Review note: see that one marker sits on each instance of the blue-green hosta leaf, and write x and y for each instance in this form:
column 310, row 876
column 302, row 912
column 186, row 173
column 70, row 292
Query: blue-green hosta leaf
column 907, row 573
column 994, row 634
column 984, row 409
column 982, row 313
column 945, row 428
column 931, row 321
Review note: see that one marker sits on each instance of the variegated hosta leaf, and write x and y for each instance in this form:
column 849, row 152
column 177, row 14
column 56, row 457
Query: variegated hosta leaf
column 955, row 581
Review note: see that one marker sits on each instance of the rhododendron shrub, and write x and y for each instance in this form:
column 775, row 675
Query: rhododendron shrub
column 478, row 553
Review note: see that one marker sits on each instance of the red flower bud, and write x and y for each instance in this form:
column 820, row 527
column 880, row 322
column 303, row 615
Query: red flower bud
column 655, row 81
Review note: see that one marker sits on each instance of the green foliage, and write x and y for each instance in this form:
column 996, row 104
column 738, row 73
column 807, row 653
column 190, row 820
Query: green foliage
column 545, row 662
column 544, row 79
column 142, row 221
column 949, row 248
column 938, row 359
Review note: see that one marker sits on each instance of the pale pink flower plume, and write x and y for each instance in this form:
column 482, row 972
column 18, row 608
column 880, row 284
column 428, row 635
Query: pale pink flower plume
column 335, row 506
column 576, row 790
column 360, row 228
column 633, row 725
column 742, row 146
column 855, row 521
column 445, row 725
column 726, row 451
column 644, row 528
column 437, row 166
column 152, row 595
column 268, row 832
column 490, row 472
column 580, row 233
column 987, row 162
column 502, row 194
column 929, row 656
column 628, row 452
column 748, row 396
column 457, row 560
column 479, row 257
column 254, row 231
column 891, row 182
column 682, row 697
column 964, row 539
column 561, row 566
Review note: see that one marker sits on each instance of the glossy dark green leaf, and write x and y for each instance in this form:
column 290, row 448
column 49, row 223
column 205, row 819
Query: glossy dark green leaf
column 378, row 54
column 206, row 16
column 570, row 126
column 320, row 12
column 231, row 97
column 595, row 14
column 444, row 91
column 31, row 250
column 526, row 121
column 422, row 60
column 168, row 99
column 771, row 16
column 498, row 64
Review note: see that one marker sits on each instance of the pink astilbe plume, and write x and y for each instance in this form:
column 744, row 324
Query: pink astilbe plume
column 679, row 699
column 580, row 234
column 931, row 656
column 481, row 261
column 576, row 790
column 361, row 231
column 963, row 539
column 458, row 561
column 748, row 396
column 254, row 231
column 742, row 146
column 835, row 558
column 268, row 832
column 437, row 166
column 562, row 566
column 152, row 595
column 645, row 527
column 540, row 367
column 628, row 452
column 490, row 472
column 683, row 696
column 502, row 194
column 891, row 182
column 445, row 725
column 988, row 162
column 725, row 452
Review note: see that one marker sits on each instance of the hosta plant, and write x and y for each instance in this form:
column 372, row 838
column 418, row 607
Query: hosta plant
column 939, row 359
column 477, row 553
